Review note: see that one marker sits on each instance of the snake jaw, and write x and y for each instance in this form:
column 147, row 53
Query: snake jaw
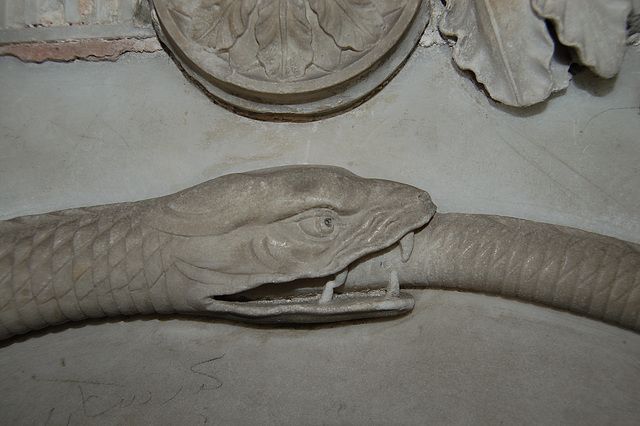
column 307, row 310
column 406, row 244
column 325, row 307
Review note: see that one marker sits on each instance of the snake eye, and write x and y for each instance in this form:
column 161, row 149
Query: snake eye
column 321, row 226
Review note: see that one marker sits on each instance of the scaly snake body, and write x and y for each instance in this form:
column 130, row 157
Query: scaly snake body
column 556, row 266
column 122, row 260
column 79, row 264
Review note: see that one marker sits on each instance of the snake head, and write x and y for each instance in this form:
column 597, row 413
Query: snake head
column 282, row 225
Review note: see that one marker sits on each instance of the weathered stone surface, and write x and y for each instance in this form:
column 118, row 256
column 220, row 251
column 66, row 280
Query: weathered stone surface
column 458, row 358
column 21, row 13
column 92, row 50
column 41, row 30
column 73, row 20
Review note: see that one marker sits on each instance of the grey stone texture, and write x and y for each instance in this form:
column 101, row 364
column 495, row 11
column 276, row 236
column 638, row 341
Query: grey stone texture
column 460, row 359
column 57, row 13
column 81, row 134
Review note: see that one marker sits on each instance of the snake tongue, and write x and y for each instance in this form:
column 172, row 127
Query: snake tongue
column 406, row 246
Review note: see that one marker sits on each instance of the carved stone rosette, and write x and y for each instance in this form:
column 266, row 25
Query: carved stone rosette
column 290, row 58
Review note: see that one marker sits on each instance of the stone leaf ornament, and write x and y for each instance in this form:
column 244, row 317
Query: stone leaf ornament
column 230, row 20
column 284, row 33
column 352, row 24
column 297, row 244
column 284, row 39
column 595, row 28
column 260, row 54
column 511, row 52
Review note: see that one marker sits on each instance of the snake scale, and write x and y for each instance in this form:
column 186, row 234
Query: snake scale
column 204, row 250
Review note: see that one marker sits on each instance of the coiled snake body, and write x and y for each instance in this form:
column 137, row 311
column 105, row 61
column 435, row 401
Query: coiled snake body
column 556, row 266
column 206, row 249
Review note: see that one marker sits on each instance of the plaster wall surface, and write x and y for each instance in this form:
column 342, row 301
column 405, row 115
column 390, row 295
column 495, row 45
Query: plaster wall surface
column 77, row 134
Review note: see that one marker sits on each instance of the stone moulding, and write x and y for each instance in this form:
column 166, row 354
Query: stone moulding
column 90, row 50
column 290, row 58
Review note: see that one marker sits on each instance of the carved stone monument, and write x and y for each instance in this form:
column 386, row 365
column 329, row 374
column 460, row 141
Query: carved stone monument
column 272, row 246
column 312, row 58
column 290, row 58
column 84, row 134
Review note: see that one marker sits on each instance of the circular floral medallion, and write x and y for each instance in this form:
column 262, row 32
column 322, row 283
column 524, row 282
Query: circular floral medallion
column 290, row 57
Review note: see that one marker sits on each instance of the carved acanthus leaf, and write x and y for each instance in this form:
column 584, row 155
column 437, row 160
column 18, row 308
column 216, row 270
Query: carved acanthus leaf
column 353, row 24
column 506, row 45
column 284, row 38
column 595, row 28
column 326, row 53
column 219, row 23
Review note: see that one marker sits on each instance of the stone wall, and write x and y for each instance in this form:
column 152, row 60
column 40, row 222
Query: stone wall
column 53, row 20
column 57, row 13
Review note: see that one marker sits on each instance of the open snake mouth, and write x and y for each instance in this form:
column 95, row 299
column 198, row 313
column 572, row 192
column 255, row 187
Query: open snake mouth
column 316, row 300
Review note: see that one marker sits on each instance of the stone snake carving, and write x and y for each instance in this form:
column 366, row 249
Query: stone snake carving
column 296, row 244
